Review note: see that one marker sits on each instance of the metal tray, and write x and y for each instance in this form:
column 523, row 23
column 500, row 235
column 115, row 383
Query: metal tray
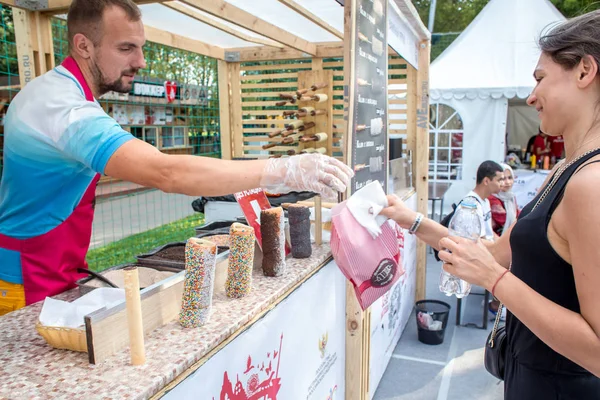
column 146, row 258
column 84, row 288
column 220, row 226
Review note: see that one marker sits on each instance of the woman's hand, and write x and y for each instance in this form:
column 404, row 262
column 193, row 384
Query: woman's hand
column 470, row 261
column 399, row 212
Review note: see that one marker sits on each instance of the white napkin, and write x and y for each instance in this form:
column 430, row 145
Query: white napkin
column 70, row 315
column 365, row 206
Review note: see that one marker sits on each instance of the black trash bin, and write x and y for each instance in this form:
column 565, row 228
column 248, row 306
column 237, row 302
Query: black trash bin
column 427, row 313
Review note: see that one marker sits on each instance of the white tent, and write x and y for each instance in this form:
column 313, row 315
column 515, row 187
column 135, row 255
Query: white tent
column 486, row 75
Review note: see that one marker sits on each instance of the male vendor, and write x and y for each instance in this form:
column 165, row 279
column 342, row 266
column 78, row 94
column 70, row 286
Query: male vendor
column 58, row 141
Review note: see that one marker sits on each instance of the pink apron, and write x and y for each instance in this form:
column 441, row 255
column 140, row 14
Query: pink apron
column 49, row 262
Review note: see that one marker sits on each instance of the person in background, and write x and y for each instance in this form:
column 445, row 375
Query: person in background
column 557, row 147
column 504, row 204
column 58, row 141
column 490, row 180
column 540, row 146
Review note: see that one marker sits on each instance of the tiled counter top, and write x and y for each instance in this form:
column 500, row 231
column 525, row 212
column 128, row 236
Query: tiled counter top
column 31, row 369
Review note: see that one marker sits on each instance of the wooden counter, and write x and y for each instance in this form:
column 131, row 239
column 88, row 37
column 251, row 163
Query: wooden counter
column 31, row 369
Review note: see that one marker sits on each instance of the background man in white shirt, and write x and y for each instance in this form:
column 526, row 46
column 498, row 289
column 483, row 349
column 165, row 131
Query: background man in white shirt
column 490, row 179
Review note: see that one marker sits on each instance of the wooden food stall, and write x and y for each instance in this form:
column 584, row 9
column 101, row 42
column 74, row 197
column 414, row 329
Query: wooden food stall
column 302, row 334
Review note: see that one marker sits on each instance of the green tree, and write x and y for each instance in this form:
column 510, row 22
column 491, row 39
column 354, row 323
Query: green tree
column 450, row 15
column 573, row 8
column 456, row 15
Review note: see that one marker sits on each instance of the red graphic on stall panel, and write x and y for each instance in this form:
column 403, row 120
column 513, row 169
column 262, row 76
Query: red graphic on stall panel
column 262, row 381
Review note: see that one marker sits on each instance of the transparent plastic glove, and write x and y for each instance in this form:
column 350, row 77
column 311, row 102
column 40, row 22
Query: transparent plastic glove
column 306, row 172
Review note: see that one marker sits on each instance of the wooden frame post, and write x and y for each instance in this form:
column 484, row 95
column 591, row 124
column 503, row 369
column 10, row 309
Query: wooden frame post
column 35, row 50
column 421, row 158
column 235, row 109
column 224, row 112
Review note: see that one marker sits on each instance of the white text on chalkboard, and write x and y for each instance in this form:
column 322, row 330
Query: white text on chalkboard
column 366, row 15
column 361, row 145
column 365, row 100
column 367, row 56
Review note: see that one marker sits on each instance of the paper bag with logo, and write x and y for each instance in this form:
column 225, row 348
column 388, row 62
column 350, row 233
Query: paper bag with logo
column 372, row 264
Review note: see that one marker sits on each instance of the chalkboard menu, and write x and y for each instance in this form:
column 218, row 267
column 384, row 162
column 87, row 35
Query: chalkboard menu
column 369, row 92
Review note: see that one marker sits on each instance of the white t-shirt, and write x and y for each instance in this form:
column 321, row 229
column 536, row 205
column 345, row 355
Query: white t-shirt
column 485, row 215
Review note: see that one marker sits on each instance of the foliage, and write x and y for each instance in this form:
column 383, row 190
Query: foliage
column 124, row 250
column 450, row 15
column 573, row 8
column 456, row 15
column 8, row 49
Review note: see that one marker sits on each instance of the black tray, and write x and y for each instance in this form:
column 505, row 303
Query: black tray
column 219, row 226
column 146, row 258
column 83, row 288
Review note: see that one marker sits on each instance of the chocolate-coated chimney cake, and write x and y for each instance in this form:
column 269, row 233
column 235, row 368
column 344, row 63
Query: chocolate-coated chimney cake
column 299, row 217
column 273, row 241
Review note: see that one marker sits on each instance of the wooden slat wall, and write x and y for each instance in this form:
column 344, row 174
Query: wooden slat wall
column 337, row 65
column 261, row 83
column 397, row 104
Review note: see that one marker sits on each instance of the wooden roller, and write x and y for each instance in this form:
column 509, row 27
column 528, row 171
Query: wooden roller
column 275, row 133
column 269, row 146
column 291, row 139
column 318, row 86
column 301, row 114
column 281, row 103
column 289, row 112
column 319, row 137
column 318, row 112
column 291, row 152
column 306, row 126
column 286, row 96
column 294, row 125
column 319, row 98
column 301, row 92
column 307, row 109
column 133, row 304
column 288, row 133
column 321, row 150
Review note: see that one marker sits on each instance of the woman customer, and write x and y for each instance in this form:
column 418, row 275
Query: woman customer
column 546, row 267
column 504, row 204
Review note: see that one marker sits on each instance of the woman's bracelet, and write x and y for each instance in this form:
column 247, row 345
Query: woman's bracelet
column 498, row 280
column 415, row 226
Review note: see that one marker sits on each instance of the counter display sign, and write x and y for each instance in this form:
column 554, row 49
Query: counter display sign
column 252, row 202
column 367, row 94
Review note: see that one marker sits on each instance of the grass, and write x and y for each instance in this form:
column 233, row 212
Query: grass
column 125, row 250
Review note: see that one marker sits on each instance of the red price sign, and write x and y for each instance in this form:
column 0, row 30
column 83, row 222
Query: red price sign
column 252, row 202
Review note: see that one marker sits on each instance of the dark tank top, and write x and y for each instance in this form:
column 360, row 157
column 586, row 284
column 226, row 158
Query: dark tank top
column 536, row 263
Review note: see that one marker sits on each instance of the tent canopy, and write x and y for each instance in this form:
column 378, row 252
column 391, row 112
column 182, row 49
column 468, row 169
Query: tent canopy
column 497, row 53
column 262, row 29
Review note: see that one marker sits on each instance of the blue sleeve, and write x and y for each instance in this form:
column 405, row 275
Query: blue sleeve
column 93, row 139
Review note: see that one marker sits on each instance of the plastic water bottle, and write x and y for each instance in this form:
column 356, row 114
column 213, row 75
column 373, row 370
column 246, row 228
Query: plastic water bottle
column 466, row 224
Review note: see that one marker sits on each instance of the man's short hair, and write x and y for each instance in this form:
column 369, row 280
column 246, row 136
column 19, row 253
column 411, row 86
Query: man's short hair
column 85, row 17
column 488, row 169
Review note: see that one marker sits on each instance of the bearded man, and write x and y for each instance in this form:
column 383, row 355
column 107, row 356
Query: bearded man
column 58, row 141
